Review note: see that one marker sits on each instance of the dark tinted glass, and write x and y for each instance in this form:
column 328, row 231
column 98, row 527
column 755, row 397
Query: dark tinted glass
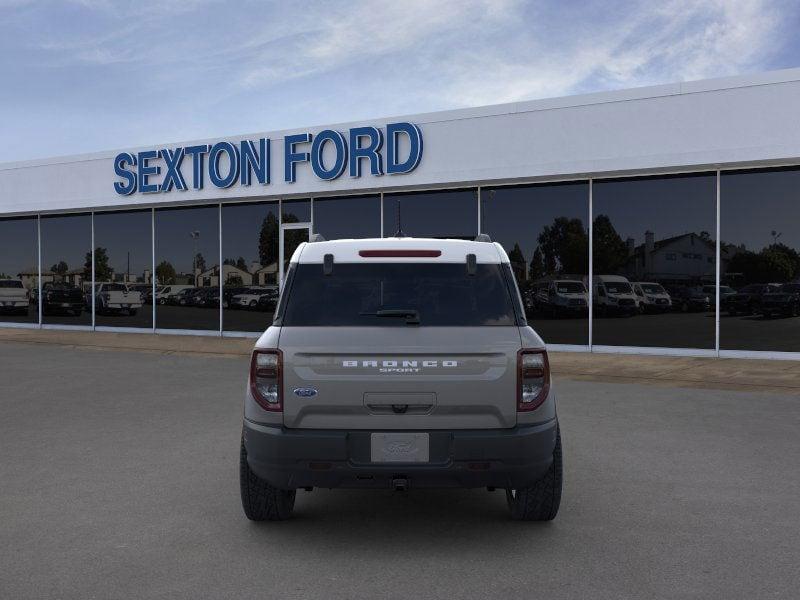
column 296, row 211
column 187, row 257
column 250, row 265
column 66, row 269
column 19, row 270
column 346, row 218
column 449, row 214
column 544, row 230
column 760, row 231
column 655, row 231
column 123, row 266
column 439, row 294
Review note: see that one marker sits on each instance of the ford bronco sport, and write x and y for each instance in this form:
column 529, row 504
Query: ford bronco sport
column 400, row 363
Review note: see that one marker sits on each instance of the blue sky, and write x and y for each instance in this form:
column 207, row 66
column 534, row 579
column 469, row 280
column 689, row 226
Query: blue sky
column 88, row 75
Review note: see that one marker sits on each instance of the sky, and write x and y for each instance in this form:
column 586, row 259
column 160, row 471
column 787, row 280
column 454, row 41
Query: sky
column 90, row 75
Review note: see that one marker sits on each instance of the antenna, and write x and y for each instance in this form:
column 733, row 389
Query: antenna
column 399, row 232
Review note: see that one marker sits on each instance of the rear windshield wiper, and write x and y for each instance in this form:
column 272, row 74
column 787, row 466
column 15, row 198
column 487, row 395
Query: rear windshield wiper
column 411, row 314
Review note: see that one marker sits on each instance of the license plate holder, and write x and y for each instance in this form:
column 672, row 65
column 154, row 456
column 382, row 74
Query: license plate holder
column 399, row 447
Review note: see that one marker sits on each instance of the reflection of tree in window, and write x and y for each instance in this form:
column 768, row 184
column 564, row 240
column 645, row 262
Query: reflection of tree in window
column 775, row 263
column 268, row 240
column 610, row 253
column 165, row 273
column 102, row 270
column 517, row 260
column 565, row 246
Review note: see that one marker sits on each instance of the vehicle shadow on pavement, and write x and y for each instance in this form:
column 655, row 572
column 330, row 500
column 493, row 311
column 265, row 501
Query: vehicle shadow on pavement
column 432, row 517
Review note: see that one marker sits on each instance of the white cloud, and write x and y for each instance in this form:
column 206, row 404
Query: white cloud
column 674, row 41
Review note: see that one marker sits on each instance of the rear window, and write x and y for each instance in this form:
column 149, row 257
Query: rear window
column 442, row 294
column 10, row 283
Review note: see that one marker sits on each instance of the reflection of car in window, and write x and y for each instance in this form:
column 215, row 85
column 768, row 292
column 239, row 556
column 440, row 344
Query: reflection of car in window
column 145, row 290
column 725, row 292
column 651, row 297
column 62, row 298
column 613, row 294
column 182, row 297
column 561, row 297
column 689, row 299
column 397, row 363
column 14, row 298
column 748, row 299
column 207, row 297
column 250, row 297
column 114, row 298
column 166, row 295
column 782, row 301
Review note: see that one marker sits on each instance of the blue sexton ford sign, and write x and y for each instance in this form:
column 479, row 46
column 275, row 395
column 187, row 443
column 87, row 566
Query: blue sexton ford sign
column 225, row 163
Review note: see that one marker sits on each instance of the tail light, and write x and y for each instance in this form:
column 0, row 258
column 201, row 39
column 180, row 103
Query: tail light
column 265, row 379
column 533, row 380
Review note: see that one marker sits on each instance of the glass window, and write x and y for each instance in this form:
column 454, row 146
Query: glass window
column 759, row 257
column 123, row 264
column 398, row 294
column 655, row 230
column 19, row 270
column 348, row 218
column 249, row 265
column 187, row 269
column 66, row 269
column 296, row 211
column 544, row 230
column 448, row 214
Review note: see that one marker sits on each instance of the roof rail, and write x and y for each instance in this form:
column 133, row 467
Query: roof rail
column 316, row 237
column 482, row 237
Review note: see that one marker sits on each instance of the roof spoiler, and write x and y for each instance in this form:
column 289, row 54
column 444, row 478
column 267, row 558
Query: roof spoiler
column 482, row 237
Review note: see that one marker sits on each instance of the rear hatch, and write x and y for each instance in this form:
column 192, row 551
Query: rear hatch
column 393, row 378
column 400, row 346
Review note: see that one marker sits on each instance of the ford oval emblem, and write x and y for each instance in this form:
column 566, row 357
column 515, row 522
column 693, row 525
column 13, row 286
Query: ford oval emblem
column 305, row 392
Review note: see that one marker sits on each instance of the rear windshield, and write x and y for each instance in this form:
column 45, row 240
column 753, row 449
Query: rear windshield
column 10, row 283
column 442, row 294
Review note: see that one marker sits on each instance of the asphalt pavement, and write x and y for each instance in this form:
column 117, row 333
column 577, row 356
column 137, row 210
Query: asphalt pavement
column 119, row 479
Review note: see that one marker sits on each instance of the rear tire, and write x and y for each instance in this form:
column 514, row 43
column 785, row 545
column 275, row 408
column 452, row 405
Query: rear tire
column 540, row 501
column 260, row 500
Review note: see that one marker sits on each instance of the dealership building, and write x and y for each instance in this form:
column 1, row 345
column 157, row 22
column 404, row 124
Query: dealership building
column 660, row 220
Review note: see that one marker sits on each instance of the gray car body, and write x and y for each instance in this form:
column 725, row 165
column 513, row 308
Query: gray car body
column 476, row 390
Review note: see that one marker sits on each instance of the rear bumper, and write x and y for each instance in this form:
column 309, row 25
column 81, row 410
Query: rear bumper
column 297, row 458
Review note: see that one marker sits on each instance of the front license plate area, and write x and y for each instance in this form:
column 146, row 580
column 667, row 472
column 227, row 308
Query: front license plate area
column 400, row 447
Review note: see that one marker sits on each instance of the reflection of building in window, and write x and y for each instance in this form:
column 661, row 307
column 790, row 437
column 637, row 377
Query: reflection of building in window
column 234, row 275
column 673, row 259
